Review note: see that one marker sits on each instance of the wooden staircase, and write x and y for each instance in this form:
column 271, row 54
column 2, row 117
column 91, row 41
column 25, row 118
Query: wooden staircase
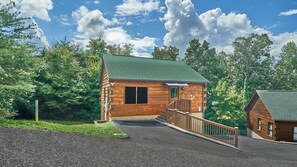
column 180, row 105
column 162, row 117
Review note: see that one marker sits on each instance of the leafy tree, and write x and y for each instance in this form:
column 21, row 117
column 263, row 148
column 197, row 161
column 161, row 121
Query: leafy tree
column 16, row 64
column 96, row 47
column 124, row 50
column 165, row 53
column 61, row 85
column 252, row 63
column 227, row 105
column 94, row 53
column 286, row 68
column 204, row 60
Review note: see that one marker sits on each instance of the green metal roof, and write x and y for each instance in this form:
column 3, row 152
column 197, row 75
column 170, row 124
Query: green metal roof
column 148, row 69
column 282, row 105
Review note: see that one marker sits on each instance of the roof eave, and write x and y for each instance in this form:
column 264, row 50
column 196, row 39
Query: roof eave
column 204, row 82
column 246, row 108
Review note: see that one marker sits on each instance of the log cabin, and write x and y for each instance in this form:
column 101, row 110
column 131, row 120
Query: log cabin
column 134, row 88
column 272, row 115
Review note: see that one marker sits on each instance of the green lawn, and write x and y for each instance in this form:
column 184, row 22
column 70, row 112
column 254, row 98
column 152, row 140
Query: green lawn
column 104, row 130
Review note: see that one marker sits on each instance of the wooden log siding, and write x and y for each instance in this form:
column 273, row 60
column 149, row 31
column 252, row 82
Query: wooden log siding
column 285, row 130
column 260, row 111
column 158, row 97
column 104, row 90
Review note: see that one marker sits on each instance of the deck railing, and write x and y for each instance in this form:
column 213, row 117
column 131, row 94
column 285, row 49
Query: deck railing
column 203, row 127
column 180, row 105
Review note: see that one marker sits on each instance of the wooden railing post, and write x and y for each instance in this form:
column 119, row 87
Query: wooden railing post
column 187, row 121
column 190, row 106
column 236, row 137
column 166, row 107
column 175, row 117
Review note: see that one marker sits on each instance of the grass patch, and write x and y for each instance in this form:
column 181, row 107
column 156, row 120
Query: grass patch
column 104, row 130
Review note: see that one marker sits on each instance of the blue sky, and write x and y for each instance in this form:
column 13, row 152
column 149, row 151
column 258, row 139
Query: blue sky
column 149, row 23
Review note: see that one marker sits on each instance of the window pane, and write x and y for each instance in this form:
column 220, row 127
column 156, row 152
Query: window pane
column 141, row 95
column 270, row 129
column 173, row 92
column 130, row 96
column 295, row 133
column 259, row 124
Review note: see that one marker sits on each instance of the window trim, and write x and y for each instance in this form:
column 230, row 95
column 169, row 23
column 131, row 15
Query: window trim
column 136, row 87
column 269, row 123
column 259, row 124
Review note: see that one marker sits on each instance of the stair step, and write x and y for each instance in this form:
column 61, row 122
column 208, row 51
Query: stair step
column 160, row 119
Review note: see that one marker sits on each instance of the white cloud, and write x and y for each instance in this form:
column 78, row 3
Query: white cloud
column 129, row 23
column 116, row 36
column 219, row 29
column 31, row 8
column 41, row 38
column 280, row 40
column 92, row 24
column 143, row 45
column 65, row 20
column 96, row 2
column 288, row 13
column 136, row 7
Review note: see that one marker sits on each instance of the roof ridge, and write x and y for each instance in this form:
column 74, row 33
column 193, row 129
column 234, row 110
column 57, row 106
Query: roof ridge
column 148, row 58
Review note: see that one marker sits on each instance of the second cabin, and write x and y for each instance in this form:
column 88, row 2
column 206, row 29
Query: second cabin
column 140, row 88
column 272, row 115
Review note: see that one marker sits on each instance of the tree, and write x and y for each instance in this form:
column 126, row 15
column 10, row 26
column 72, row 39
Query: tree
column 94, row 53
column 165, row 53
column 252, row 63
column 96, row 47
column 286, row 68
column 227, row 105
column 204, row 60
column 16, row 63
column 124, row 50
column 61, row 81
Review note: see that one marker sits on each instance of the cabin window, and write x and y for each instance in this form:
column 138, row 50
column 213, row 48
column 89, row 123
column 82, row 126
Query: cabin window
column 295, row 133
column 135, row 95
column 259, row 124
column 270, row 129
column 173, row 92
column 141, row 95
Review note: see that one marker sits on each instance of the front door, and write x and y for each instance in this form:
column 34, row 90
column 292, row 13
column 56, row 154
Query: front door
column 295, row 133
column 173, row 93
